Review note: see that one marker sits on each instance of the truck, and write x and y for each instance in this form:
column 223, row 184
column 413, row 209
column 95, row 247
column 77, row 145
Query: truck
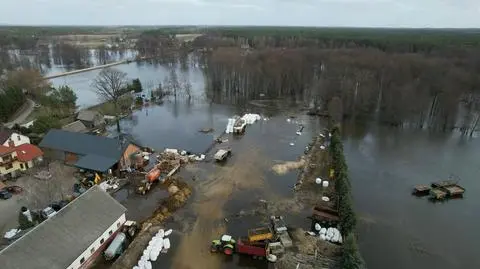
column 116, row 247
column 228, row 246
column 222, row 154
column 153, row 176
column 239, row 126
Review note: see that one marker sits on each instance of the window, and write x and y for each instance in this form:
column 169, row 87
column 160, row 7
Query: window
column 101, row 241
column 110, row 232
column 7, row 158
column 19, row 138
column 21, row 165
column 82, row 260
column 92, row 250
column 8, row 166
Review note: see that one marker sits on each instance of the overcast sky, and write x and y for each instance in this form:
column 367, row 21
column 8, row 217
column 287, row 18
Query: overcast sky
column 358, row 13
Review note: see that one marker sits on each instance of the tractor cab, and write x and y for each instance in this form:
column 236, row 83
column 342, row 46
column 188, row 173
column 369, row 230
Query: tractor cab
column 225, row 244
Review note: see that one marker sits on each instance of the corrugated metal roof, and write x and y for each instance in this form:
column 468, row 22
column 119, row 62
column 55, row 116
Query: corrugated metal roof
column 95, row 163
column 84, row 144
column 87, row 115
column 76, row 126
column 5, row 134
column 58, row 241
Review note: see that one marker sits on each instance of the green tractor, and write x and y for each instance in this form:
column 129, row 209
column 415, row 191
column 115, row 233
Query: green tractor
column 225, row 244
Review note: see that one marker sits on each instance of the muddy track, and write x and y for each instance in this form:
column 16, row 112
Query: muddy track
column 212, row 195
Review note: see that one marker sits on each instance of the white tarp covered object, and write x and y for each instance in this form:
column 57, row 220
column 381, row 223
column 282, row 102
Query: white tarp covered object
column 158, row 244
column 248, row 118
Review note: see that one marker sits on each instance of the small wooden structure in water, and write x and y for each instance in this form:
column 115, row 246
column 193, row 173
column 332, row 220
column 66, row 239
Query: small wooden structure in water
column 421, row 190
column 446, row 189
column 440, row 190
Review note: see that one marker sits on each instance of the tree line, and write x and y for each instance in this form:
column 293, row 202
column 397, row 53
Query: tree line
column 436, row 90
column 351, row 258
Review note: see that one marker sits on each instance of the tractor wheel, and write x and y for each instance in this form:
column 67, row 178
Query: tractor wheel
column 228, row 251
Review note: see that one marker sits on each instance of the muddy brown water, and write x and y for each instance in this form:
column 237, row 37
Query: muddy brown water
column 395, row 229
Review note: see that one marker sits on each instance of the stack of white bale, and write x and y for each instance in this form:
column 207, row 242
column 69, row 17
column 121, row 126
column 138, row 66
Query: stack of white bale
column 230, row 124
column 251, row 118
column 158, row 244
column 331, row 234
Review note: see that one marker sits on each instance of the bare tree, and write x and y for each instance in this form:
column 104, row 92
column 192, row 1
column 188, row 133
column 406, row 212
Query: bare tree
column 110, row 85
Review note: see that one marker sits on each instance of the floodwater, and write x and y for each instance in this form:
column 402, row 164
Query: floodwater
column 396, row 230
column 150, row 76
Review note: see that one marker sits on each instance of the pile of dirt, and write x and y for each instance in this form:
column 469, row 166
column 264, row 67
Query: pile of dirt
column 283, row 168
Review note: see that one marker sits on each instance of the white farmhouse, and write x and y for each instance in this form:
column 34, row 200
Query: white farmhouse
column 71, row 239
column 7, row 137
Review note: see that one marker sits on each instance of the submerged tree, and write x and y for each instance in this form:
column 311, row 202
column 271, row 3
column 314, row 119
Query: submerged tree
column 110, row 86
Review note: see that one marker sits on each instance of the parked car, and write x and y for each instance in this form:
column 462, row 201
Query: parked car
column 13, row 189
column 48, row 212
column 222, row 154
column 5, row 195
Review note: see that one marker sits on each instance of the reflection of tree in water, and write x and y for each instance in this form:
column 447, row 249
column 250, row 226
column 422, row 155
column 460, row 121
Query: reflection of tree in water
column 71, row 56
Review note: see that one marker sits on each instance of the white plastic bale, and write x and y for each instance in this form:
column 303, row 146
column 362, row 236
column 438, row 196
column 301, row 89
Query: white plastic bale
column 325, row 199
column 166, row 243
column 318, row 227
column 323, row 231
column 152, row 256
column 145, row 253
column 148, row 265
column 136, row 267
column 159, row 244
column 141, row 263
column 161, row 233
column 325, row 184
column 169, row 231
column 323, row 237
column 318, row 180
column 272, row 258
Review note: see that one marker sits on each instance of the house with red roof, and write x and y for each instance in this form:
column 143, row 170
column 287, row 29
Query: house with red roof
column 18, row 158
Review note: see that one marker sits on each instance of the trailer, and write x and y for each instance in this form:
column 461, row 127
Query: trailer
column 116, row 247
column 260, row 234
column 255, row 250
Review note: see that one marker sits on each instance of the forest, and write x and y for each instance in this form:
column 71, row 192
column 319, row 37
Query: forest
column 405, row 78
column 417, row 78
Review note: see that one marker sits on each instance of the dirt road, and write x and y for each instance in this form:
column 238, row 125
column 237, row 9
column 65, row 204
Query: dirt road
column 244, row 174
column 21, row 115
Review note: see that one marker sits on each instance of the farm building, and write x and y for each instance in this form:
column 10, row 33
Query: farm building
column 71, row 239
column 91, row 152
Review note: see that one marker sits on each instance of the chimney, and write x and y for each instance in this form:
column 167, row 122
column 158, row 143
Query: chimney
column 11, row 143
